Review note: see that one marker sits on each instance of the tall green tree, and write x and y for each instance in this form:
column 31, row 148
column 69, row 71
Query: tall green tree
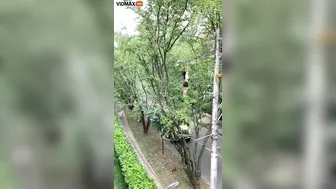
column 131, row 90
column 162, row 26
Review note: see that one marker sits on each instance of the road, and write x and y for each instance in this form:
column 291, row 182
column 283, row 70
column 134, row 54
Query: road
column 206, row 163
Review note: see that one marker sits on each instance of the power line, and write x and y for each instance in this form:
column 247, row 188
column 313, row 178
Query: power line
column 201, row 57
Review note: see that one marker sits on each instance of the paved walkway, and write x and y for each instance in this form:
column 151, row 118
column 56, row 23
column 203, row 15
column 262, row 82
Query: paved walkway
column 137, row 149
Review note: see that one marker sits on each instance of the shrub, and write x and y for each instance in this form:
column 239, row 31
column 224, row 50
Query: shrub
column 135, row 175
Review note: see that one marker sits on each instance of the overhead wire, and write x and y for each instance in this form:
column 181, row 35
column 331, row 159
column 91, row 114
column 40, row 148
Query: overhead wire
column 205, row 56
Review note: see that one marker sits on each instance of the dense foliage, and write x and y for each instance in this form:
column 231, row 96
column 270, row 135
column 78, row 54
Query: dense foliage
column 135, row 175
column 119, row 179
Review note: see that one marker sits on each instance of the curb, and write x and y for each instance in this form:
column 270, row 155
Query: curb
column 141, row 157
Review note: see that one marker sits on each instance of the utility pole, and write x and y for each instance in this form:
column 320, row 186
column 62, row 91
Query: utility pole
column 314, row 167
column 214, row 155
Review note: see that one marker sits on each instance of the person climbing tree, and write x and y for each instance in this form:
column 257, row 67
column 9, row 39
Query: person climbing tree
column 185, row 83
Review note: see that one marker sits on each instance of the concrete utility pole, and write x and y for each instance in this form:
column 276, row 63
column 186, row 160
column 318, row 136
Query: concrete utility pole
column 214, row 155
column 314, row 167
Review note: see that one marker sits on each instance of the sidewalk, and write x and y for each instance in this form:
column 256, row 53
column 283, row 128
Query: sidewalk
column 167, row 166
column 137, row 149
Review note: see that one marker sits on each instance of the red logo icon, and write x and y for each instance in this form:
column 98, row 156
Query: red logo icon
column 139, row 3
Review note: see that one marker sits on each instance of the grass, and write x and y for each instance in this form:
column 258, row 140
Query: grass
column 168, row 167
column 119, row 180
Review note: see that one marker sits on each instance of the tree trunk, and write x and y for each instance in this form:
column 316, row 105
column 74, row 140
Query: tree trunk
column 162, row 146
column 197, row 185
column 195, row 180
column 145, row 119
column 189, row 166
column 147, row 123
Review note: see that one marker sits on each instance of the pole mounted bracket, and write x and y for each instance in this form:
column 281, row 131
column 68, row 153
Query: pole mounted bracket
column 214, row 136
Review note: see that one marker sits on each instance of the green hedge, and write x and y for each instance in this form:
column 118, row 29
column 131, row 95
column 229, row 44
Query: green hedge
column 135, row 175
column 119, row 179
